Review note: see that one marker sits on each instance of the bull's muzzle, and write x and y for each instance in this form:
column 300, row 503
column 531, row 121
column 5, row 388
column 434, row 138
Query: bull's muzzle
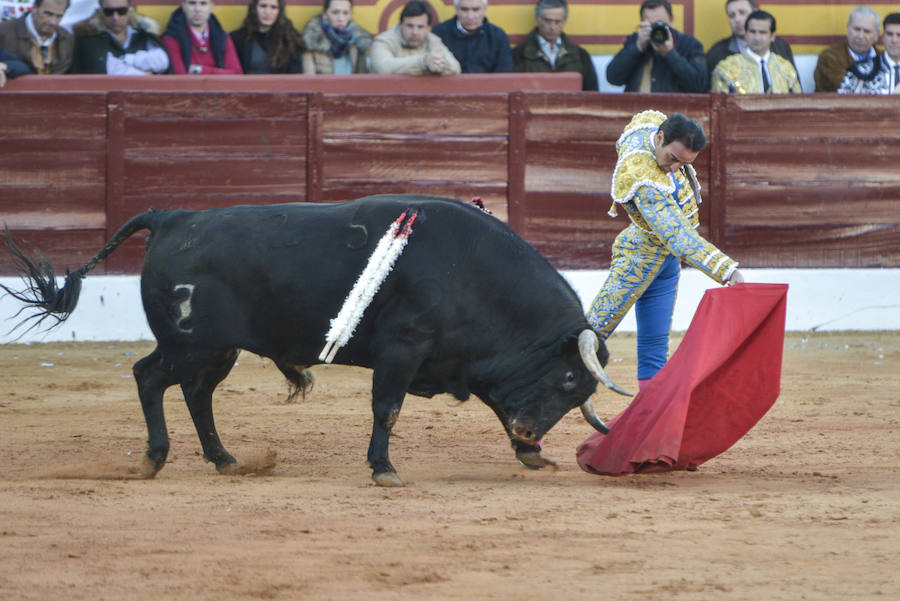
column 587, row 347
column 523, row 432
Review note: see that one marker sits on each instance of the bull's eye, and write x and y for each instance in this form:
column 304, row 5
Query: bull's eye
column 569, row 381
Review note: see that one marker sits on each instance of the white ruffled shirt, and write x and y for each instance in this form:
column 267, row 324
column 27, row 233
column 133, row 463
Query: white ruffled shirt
column 142, row 62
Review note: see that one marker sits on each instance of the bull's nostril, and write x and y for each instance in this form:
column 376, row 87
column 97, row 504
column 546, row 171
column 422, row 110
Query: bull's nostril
column 522, row 432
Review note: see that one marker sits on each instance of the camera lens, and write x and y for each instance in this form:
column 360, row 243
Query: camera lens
column 659, row 32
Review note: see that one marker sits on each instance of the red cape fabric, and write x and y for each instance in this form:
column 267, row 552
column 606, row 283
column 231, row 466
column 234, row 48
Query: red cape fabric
column 724, row 376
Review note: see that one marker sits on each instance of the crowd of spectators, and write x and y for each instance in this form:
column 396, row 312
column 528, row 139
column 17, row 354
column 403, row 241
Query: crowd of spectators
column 117, row 40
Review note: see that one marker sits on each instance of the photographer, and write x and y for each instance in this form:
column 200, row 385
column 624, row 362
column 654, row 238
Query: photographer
column 658, row 58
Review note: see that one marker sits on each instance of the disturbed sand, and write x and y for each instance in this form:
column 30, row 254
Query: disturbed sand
column 806, row 506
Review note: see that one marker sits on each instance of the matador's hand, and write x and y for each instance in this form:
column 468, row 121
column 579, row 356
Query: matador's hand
column 736, row 278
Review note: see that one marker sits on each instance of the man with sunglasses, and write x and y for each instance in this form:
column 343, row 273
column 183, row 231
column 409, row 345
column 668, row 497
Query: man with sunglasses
column 37, row 39
column 118, row 43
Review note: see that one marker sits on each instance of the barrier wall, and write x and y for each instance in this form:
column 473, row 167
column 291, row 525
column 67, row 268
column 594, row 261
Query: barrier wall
column 788, row 182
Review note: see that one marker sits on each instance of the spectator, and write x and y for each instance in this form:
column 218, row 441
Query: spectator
column 857, row 52
column 756, row 70
column 115, row 41
column 409, row 48
column 881, row 77
column 11, row 67
column 267, row 41
column 197, row 44
column 738, row 11
column 37, row 39
column 891, row 38
column 333, row 43
column 479, row 46
column 548, row 49
column 669, row 61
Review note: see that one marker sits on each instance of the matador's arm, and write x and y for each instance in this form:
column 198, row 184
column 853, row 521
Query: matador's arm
column 673, row 228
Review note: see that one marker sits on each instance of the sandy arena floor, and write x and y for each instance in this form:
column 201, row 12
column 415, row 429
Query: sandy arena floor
column 806, row 506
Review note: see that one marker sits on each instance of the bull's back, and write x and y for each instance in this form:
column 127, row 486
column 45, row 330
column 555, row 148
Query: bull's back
column 270, row 278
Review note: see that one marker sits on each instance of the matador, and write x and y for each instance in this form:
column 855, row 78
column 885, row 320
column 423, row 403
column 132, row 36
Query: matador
column 656, row 185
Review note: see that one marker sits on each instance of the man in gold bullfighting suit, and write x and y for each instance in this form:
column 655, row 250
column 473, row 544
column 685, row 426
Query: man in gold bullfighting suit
column 756, row 70
column 657, row 186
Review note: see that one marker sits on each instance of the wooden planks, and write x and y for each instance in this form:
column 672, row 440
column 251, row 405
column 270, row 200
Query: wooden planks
column 806, row 181
column 53, row 172
column 812, row 184
column 197, row 150
column 445, row 145
column 358, row 83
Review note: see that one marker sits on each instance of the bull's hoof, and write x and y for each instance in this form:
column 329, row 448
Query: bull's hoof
column 533, row 460
column 388, row 479
column 149, row 467
column 229, row 469
column 228, row 466
column 259, row 465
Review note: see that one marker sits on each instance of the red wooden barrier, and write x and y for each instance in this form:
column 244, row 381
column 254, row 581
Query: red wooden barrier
column 788, row 182
column 474, row 83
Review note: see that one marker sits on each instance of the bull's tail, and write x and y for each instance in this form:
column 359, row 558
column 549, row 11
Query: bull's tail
column 41, row 293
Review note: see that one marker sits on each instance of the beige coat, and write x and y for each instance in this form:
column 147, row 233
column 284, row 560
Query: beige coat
column 317, row 49
column 390, row 56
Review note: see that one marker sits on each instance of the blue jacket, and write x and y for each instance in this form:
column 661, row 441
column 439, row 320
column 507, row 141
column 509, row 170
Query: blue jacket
column 485, row 51
column 682, row 70
column 14, row 67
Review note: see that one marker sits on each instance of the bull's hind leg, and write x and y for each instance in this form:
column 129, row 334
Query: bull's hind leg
column 152, row 380
column 198, row 390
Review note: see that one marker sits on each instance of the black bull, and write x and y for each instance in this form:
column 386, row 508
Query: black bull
column 469, row 308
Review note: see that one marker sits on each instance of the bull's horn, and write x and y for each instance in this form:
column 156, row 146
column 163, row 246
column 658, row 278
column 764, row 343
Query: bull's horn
column 587, row 346
column 587, row 410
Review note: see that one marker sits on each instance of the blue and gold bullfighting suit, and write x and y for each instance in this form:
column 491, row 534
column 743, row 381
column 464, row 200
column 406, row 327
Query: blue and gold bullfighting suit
column 647, row 255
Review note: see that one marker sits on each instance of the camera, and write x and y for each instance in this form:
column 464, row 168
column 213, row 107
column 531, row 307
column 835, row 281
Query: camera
column 659, row 33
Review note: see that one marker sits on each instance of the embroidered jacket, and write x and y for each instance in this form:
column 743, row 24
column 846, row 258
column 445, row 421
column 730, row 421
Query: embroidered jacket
column 741, row 74
column 660, row 204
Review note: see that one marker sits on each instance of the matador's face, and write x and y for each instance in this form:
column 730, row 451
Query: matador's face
column 674, row 155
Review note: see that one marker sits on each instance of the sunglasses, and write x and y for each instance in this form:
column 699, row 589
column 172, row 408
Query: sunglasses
column 121, row 10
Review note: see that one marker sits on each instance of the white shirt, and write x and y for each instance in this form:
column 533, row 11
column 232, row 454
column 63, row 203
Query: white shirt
column 551, row 51
column 142, row 62
column 763, row 62
column 895, row 81
column 29, row 22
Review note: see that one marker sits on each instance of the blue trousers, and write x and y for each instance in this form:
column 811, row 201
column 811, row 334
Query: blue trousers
column 653, row 311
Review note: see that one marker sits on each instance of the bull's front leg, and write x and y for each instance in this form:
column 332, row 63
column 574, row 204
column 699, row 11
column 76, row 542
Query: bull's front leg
column 385, row 413
column 398, row 347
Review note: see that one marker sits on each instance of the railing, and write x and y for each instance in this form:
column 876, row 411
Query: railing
column 788, row 182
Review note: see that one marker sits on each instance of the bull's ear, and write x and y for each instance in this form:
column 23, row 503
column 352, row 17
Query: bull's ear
column 603, row 353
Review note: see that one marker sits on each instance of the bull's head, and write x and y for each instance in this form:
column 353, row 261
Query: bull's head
column 566, row 381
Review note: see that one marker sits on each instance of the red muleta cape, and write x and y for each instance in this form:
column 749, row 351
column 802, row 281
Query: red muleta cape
column 724, row 376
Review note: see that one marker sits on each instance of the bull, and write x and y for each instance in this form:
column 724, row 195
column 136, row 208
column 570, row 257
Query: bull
column 468, row 308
